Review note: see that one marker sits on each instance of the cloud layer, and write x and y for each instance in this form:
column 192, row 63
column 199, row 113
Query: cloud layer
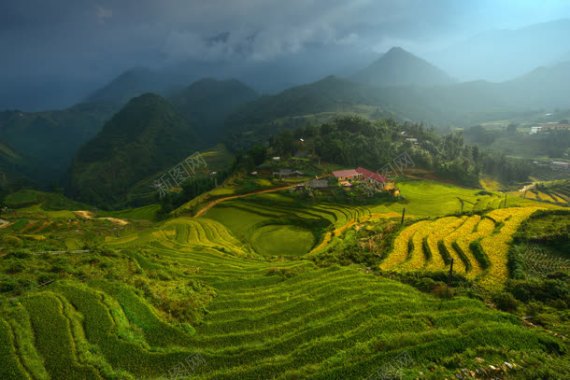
column 86, row 42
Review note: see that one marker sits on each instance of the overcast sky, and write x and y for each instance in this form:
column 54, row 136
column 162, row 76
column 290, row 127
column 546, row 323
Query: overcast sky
column 75, row 44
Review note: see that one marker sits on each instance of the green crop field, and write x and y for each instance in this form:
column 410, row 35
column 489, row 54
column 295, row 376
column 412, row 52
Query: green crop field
column 235, row 294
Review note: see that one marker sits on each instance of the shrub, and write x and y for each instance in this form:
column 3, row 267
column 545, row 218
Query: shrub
column 441, row 290
column 546, row 291
column 11, row 241
column 15, row 268
column 506, row 302
column 480, row 256
column 8, row 285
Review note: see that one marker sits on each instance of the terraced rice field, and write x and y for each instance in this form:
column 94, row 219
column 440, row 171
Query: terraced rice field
column 260, row 311
column 185, row 233
column 333, row 323
column 557, row 192
column 478, row 245
column 294, row 228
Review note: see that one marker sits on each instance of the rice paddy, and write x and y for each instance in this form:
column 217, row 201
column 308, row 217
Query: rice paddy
column 478, row 245
column 232, row 295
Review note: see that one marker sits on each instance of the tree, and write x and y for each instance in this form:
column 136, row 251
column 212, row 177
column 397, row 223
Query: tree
column 284, row 143
column 258, row 153
column 512, row 128
column 3, row 194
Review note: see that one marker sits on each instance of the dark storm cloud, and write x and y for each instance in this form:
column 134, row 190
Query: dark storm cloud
column 155, row 30
column 85, row 42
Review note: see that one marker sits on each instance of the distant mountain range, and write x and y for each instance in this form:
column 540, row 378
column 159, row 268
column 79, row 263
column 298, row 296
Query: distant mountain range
column 500, row 55
column 400, row 68
column 496, row 55
column 441, row 103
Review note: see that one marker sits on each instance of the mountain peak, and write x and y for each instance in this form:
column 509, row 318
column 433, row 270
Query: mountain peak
column 398, row 67
column 130, row 83
column 396, row 50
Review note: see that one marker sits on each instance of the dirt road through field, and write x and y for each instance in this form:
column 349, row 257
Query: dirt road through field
column 215, row 202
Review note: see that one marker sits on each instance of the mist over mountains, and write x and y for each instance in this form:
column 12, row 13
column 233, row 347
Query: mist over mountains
column 500, row 55
column 496, row 55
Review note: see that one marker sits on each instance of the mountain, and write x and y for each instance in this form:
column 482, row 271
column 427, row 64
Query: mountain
column 500, row 55
column 10, row 173
column 302, row 105
column 400, row 68
column 145, row 137
column 47, row 141
column 207, row 103
column 544, row 87
column 131, row 83
column 326, row 95
column 458, row 104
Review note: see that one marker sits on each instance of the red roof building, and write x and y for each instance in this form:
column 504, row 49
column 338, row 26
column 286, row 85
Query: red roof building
column 346, row 174
column 371, row 175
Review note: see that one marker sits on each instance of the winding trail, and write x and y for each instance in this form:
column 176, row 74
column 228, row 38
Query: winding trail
column 215, row 202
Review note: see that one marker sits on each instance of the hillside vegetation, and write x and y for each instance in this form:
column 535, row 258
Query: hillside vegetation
column 144, row 138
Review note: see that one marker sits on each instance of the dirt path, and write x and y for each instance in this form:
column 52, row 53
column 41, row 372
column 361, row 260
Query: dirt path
column 4, row 223
column 213, row 203
column 90, row 215
column 84, row 214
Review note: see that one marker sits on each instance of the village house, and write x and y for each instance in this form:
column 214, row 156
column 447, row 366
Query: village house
column 549, row 127
column 318, row 184
column 346, row 175
column 560, row 165
column 412, row 140
column 372, row 177
column 314, row 184
column 287, row 173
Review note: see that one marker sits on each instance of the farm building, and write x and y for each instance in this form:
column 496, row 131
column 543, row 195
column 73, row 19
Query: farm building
column 359, row 174
column 318, row 184
column 313, row 184
column 560, row 165
column 371, row 176
column 287, row 173
column 412, row 140
column 345, row 175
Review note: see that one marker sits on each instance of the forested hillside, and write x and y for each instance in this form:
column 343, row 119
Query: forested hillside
column 142, row 139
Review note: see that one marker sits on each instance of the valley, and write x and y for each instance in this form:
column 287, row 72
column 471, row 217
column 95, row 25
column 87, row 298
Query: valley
column 285, row 190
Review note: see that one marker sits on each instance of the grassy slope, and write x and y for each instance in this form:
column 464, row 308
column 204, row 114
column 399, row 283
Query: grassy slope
column 267, row 319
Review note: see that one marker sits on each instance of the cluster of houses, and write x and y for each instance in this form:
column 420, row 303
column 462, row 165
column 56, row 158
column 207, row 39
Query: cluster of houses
column 556, row 165
column 548, row 127
column 348, row 178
